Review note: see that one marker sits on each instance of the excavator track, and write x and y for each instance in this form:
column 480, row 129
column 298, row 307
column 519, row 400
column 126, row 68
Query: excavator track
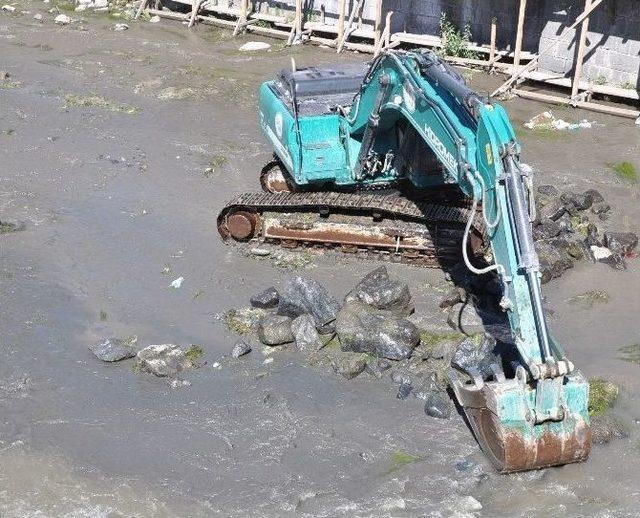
column 380, row 226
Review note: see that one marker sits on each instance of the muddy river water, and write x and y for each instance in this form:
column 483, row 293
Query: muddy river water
column 117, row 203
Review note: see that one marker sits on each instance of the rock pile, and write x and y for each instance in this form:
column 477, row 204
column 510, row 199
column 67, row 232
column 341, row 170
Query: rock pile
column 368, row 332
column 164, row 361
column 565, row 231
column 371, row 320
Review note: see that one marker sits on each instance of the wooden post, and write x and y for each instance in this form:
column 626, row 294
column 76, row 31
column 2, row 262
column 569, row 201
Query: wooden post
column 387, row 37
column 494, row 32
column 377, row 27
column 322, row 14
column 195, row 7
column 342, row 14
column 299, row 17
column 577, row 73
column 141, row 8
column 242, row 16
column 519, row 35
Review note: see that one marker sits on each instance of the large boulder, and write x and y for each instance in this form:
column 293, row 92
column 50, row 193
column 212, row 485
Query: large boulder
column 554, row 260
column 475, row 353
column 379, row 291
column 275, row 330
column 348, row 365
column 301, row 295
column 114, row 349
column 362, row 328
column 163, row 360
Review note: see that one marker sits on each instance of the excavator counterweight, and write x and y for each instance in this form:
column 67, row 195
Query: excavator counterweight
column 400, row 159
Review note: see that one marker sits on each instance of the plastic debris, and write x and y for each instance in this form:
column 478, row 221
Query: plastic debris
column 600, row 252
column 251, row 46
column 547, row 120
column 176, row 283
column 62, row 19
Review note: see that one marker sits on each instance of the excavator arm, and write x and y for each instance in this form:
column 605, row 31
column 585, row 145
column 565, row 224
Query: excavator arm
column 538, row 417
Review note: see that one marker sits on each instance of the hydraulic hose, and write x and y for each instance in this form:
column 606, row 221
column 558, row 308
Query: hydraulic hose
column 494, row 223
column 465, row 237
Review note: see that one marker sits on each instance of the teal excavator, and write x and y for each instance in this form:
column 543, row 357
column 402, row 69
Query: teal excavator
column 401, row 160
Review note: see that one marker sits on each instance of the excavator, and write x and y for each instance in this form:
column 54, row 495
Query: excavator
column 401, row 160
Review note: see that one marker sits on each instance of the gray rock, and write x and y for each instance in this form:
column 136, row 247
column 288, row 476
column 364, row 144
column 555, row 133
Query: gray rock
column 616, row 261
column 452, row 298
column 362, row 328
column 404, row 389
column 162, row 360
column 378, row 367
column 302, row 295
column 593, row 238
column 554, row 261
column 576, row 250
column 275, row 330
column 266, row 299
column 552, row 210
column 578, row 201
column 437, row 405
column 548, row 191
column 240, row 349
column 475, row 354
column 595, row 195
column 114, row 349
column 399, row 376
column 600, row 208
column 377, row 290
column 372, row 369
column 348, row 365
column 621, row 242
column 305, row 333
column 546, row 229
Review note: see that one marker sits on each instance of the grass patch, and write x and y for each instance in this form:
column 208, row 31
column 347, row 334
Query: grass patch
column 624, row 171
column 9, row 132
column 7, row 227
column 432, row 339
column 242, row 321
column 333, row 344
column 591, row 297
column 602, row 395
column 292, row 260
column 630, row 353
column 65, row 5
column 400, row 458
column 217, row 162
column 194, row 353
column 97, row 101
column 10, row 85
column 103, row 315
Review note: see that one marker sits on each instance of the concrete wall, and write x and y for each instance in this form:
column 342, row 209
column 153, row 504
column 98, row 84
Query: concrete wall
column 613, row 41
column 613, row 52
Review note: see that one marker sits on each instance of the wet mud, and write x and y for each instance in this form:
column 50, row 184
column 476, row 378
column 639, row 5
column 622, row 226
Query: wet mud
column 117, row 150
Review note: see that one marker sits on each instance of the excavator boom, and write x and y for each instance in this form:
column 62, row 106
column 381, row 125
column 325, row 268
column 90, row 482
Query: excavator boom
column 354, row 128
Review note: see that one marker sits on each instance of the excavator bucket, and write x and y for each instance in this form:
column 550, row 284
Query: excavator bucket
column 502, row 416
